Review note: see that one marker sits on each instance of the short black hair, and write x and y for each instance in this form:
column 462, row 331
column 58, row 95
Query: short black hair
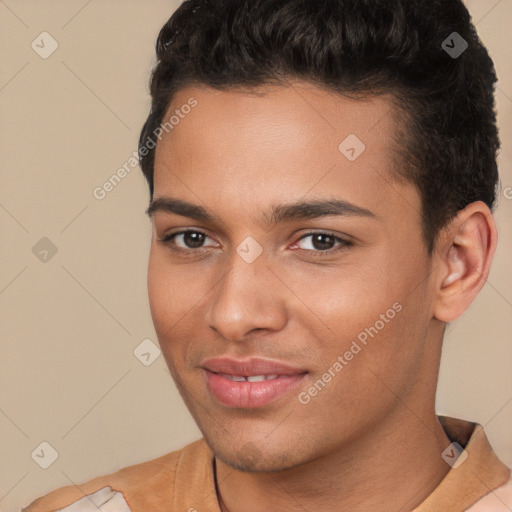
column 446, row 141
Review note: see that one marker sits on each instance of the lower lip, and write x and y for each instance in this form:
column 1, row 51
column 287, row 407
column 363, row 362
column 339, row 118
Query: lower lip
column 250, row 395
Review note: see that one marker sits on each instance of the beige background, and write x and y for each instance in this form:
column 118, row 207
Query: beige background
column 69, row 326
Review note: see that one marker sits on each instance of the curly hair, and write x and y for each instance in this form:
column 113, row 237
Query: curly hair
column 447, row 139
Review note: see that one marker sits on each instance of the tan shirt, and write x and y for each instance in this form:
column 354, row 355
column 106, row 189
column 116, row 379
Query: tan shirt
column 183, row 481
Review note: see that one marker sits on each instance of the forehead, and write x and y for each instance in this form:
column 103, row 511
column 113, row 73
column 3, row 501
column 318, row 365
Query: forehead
column 278, row 143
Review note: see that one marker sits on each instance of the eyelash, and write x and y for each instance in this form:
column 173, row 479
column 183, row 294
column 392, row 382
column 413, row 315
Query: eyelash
column 167, row 241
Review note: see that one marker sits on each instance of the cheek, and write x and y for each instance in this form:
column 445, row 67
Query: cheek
column 346, row 299
column 369, row 303
column 158, row 283
column 165, row 286
column 164, row 302
column 176, row 295
column 394, row 350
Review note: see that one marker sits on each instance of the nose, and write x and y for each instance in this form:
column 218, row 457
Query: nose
column 247, row 298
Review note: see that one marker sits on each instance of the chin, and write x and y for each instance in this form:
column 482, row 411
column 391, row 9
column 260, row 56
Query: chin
column 251, row 459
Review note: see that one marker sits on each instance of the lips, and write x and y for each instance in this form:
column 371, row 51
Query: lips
column 248, row 367
column 249, row 383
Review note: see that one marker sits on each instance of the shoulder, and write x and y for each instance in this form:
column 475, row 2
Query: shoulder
column 499, row 500
column 145, row 484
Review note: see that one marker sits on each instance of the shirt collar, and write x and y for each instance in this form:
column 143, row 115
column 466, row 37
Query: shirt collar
column 481, row 473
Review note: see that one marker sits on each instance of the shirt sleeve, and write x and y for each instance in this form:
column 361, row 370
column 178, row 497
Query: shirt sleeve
column 105, row 500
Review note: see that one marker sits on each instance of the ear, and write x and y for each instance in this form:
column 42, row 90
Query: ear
column 463, row 254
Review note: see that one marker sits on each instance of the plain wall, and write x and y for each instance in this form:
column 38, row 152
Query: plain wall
column 69, row 325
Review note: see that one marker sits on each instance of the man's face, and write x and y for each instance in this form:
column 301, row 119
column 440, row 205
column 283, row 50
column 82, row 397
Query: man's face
column 324, row 286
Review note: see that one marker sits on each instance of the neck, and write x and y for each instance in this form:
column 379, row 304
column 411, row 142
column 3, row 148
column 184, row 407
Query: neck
column 369, row 474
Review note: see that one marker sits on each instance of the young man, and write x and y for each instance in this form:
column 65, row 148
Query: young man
column 322, row 175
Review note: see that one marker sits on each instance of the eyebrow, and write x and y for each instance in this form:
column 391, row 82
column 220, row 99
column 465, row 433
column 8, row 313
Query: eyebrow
column 281, row 213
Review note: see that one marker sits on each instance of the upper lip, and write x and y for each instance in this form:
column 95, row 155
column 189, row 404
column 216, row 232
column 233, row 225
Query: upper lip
column 247, row 367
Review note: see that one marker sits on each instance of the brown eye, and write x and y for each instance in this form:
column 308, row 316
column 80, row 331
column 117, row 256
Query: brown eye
column 193, row 239
column 185, row 240
column 322, row 244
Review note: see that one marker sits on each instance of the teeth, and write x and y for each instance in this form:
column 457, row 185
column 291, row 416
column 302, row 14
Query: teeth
column 250, row 378
column 256, row 378
column 259, row 378
column 236, row 378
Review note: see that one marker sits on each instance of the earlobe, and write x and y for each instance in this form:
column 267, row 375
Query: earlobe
column 464, row 260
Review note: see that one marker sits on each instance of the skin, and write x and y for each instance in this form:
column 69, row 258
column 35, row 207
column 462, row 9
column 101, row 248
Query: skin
column 373, row 426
